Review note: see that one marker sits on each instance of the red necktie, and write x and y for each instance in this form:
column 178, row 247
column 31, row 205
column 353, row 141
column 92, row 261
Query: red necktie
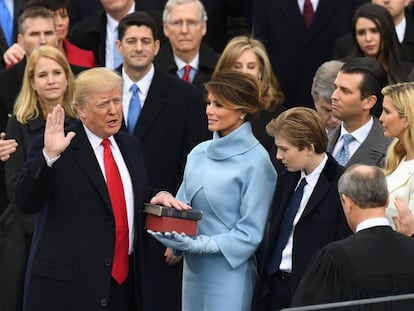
column 186, row 76
column 116, row 194
column 308, row 13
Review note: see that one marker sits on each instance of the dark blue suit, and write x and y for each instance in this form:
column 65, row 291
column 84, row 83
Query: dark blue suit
column 322, row 222
column 73, row 244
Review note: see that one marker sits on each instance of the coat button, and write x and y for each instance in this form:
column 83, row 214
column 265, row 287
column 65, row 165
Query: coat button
column 107, row 262
column 104, row 302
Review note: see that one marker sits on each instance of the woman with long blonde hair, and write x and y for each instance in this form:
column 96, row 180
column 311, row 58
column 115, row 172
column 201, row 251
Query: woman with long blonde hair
column 397, row 120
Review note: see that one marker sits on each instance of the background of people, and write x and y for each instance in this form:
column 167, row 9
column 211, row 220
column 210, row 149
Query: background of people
column 374, row 35
column 75, row 55
column 284, row 41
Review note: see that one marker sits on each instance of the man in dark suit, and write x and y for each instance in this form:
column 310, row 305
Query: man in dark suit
column 185, row 25
column 171, row 122
column 357, row 94
column 374, row 262
column 88, row 250
column 18, row 6
column 318, row 219
column 98, row 33
column 296, row 51
column 404, row 27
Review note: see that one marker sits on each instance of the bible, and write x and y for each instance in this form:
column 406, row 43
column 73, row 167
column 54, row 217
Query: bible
column 167, row 219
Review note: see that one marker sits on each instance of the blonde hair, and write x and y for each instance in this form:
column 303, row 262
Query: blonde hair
column 272, row 95
column 93, row 80
column 402, row 97
column 27, row 103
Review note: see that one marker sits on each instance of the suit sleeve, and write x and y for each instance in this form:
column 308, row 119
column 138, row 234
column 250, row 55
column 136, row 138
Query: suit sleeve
column 35, row 184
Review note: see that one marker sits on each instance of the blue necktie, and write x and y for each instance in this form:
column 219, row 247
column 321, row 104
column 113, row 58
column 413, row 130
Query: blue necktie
column 286, row 227
column 134, row 109
column 117, row 57
column 6, row 22
column 342, row 157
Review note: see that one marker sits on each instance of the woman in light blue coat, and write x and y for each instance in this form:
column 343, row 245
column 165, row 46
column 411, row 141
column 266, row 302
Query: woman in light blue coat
column 231, row 180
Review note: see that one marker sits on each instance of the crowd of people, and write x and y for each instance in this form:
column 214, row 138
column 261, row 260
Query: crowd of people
column 288, row 124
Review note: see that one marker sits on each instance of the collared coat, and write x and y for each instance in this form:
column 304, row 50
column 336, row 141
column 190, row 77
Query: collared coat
column 231, row 180
column 70, row 263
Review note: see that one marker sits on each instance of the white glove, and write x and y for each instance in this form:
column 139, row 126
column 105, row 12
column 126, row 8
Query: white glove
column 201, row 244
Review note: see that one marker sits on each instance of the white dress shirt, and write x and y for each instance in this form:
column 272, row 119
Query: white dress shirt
column 98, row 149
column 311, row 179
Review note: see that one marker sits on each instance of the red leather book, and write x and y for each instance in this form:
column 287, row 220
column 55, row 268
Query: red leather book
column 165, row 219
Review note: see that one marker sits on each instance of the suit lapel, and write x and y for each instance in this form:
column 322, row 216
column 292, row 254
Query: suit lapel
column 293, row 17
column 85, row 158
column 369, row 151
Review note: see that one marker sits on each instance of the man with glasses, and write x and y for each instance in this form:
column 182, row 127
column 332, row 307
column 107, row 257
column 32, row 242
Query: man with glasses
column 186, row 56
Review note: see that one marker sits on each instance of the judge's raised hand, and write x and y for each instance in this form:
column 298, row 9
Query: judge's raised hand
column 7, row 147
column 55, row 140
column 404, row 222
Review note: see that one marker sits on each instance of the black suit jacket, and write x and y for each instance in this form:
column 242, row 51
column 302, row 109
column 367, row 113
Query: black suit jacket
column 344, row 44
column 322, row 222
column 70, row 266
column 171, row 123
column 90, row 34
column 164, row 62
column 295, row 51
column 372, row 263
column 18, row 8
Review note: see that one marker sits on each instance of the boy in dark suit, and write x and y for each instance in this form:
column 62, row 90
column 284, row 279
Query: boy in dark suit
column 313, row 212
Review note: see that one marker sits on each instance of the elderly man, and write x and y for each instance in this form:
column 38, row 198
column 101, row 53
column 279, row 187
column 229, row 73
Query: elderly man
column 186, row 56
column 322, row 89
column 88, row 186
column 374, row 262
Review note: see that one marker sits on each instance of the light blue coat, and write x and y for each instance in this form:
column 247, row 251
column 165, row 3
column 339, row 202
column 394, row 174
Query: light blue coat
column 232, row 180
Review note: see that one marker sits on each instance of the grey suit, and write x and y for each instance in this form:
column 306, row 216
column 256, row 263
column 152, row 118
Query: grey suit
column 371, row 152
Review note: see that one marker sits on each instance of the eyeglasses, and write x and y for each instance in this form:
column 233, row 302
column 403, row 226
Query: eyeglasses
column 191, row 24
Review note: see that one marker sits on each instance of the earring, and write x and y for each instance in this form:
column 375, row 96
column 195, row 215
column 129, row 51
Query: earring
column 241, row 117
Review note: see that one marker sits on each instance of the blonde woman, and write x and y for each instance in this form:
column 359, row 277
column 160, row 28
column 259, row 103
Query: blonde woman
column 47, row 82
column 397, row 120
column 248, row 55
